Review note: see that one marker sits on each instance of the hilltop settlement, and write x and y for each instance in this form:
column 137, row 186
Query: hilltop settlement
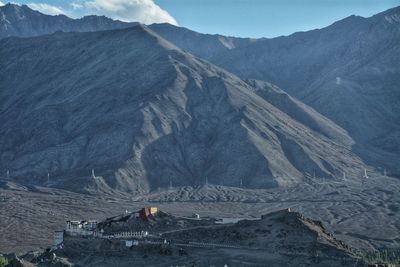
column 151, row 237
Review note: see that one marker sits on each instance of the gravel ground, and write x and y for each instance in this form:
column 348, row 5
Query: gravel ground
column 365, row 215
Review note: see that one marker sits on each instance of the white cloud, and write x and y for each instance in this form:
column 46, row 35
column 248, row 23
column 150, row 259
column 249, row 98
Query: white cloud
column 1, row 3
column 75, row 5
column 46, row 8
column 144, row 11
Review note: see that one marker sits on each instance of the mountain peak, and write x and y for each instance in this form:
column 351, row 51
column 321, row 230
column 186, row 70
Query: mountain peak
column 15, row 7
column 391, row 11
column 392, row 15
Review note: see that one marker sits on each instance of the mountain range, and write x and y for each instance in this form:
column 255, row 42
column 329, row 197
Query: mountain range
column 348, row 71
column 144, row 108
column 23, row 21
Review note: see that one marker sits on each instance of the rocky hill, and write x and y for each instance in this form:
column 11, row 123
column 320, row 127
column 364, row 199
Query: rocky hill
column 281, row 231
column 280, row 238
column 158, row 223
column 148, row 115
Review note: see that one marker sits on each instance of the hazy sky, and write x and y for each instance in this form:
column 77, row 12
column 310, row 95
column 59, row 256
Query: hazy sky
column 247, row 18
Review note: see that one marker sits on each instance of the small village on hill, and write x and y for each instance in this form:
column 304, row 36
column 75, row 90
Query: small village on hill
column 151, row 236
column 146, row 226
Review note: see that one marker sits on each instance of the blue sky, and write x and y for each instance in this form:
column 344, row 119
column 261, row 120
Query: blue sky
column 245, row 18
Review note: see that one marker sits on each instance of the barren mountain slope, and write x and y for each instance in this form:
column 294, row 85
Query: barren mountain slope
column 202, row 45
column 147, row 115
column 348, row 71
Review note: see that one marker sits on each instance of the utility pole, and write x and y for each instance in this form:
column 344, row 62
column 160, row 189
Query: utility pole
column 241, row 183
column 48, row 177
column 93, row 176
column 8, row 174
column 365, row 174
column 206, row 181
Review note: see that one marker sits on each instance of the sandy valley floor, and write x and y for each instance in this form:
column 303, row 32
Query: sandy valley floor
column 365, row 215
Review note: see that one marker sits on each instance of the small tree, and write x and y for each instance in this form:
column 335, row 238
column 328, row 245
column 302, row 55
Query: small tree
column 3, row 261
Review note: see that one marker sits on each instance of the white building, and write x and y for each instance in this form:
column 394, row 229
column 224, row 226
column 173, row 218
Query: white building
column 228, row 220
column 196, row 216
column 131, row 243
column 138, row 234
column 58, row 238
column 81, row 228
